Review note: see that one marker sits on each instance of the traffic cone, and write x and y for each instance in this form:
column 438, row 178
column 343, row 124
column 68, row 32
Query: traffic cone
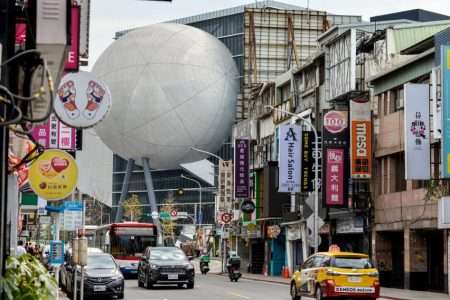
column 283, row 272
column 286, row 272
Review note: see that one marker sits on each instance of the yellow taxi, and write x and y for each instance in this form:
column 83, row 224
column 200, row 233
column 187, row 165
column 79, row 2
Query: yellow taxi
column 336, row 275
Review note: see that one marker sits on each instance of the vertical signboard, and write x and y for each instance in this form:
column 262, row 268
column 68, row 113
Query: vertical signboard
column 225, row 192
column 241, row 166
column 361, row 139
column 55, row 135
column 73, row 55
column 335, row 158
column 290, row 140
column 308, row 161
column 445, row 86
column 417, row 131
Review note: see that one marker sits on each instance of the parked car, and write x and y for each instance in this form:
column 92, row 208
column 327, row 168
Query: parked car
column 165, row 265
column 102, row 277
column 336, row 275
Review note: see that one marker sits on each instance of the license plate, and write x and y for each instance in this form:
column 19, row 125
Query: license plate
column 236, row 271
column 354, row 279
column 172, row 276
column 99, row 288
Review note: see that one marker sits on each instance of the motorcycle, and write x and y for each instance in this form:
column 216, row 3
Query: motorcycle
column 204, row 264
column 233, row 267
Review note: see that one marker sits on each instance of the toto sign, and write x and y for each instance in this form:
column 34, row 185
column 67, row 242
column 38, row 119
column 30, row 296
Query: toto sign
column 248, row 206
column 335, row 121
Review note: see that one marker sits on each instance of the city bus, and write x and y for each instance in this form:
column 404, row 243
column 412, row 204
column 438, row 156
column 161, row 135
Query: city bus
column 127, row 242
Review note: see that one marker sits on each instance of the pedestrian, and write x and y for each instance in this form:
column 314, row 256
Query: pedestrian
column 20, row 249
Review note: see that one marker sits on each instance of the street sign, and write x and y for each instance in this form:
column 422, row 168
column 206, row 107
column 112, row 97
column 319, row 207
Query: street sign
column 154, row 215
column 56, row 255
column 164, row 215
column 73, row 215
column 248, row 206
column 173, row 213
column 226, row 218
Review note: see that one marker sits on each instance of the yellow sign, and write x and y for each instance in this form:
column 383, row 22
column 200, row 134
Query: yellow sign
column 448, row 59
column 54, row 175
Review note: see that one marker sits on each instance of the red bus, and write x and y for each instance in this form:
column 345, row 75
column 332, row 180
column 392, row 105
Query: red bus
column 127, row 243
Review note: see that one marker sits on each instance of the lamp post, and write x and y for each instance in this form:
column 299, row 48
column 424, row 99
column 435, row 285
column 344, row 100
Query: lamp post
column 200, row 218
column 316, row 171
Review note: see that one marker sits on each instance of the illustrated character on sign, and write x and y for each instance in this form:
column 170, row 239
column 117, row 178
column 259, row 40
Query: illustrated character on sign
column 66, row 94
column 95, row 95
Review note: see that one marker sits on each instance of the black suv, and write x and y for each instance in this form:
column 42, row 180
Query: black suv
column 165, row 265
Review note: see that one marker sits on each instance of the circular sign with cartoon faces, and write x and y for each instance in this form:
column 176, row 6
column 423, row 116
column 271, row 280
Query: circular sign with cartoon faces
column 54, row 175
column 81, row 100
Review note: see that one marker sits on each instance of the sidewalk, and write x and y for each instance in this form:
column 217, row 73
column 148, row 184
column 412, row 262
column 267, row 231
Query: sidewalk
column 386, row 293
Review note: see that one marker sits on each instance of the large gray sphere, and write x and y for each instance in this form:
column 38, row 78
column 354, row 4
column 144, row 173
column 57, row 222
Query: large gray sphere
column 173, row 87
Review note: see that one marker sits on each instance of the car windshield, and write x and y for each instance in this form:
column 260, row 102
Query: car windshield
column 167, row 254
column 352, row 262
column 126, row 245
column 100, row 262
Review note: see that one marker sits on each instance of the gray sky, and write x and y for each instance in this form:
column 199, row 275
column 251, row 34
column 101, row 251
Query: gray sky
column 109, row 16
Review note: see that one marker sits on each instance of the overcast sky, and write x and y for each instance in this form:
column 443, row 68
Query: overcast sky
column 110, row 16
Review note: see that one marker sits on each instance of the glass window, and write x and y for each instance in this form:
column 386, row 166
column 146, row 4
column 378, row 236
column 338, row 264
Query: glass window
column 348, row 262
column 167, row 254
column 100, row 262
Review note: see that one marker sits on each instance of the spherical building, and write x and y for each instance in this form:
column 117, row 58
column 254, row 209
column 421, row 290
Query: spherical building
column 173, row 87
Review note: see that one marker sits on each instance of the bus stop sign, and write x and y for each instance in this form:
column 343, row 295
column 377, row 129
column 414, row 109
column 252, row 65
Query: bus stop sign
column 56, row 255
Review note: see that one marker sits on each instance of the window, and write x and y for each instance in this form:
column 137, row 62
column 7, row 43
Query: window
column 348, row 262
column 308, row 264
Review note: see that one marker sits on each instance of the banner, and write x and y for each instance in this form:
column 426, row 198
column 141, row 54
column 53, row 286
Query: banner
column 335, row 144
column 241, row 168
column 308, row 161
column 445, row 86
column 361, row 139
column 225, row 190
column 289, row 162
column 417, row 131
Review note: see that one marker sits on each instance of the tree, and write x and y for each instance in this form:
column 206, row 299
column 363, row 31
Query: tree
column 132, row 208
column 168, row 225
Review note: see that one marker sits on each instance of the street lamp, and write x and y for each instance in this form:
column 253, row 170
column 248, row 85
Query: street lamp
column 200, row 219
column 316, row 171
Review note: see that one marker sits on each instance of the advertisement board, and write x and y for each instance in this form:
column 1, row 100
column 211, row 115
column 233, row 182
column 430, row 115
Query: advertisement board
column 335, row 145
column 241, row 168
column 417, row 131
column 289, row 161
column 308, row 162
column 54, row 134
column 73, row 55
column 445, row 88
column 225, row 190
column 54, row 175
column 81, row 100
column 360, row 138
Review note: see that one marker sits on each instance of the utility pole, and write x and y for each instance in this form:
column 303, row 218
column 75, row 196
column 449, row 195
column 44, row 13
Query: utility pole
column 7, row 39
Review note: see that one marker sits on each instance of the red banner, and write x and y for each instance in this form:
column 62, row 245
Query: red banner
column 73, row 55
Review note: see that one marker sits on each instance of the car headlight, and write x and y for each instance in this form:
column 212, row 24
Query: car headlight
column 117, row 277
column 154, row 267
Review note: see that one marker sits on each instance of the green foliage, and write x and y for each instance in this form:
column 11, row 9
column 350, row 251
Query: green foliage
column 27, row 279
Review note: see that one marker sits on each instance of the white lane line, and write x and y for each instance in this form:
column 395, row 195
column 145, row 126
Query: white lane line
column 238, row 295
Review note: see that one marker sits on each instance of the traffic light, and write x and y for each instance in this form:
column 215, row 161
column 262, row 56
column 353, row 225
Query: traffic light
column 180, row 192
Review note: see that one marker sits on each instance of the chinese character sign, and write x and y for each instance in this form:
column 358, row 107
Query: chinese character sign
column 361, row 138
column 335, row 176
column 335, row 149
column 417, row 132
column 55, row 135
column 225, row 189
column 241, row 168
column 309, row 163
column 445, row 86
column 289, row 162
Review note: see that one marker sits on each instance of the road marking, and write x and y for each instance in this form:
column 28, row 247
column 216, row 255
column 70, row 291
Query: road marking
column 240, row 296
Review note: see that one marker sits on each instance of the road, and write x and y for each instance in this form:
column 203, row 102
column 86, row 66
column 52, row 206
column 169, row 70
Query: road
column 211, row 287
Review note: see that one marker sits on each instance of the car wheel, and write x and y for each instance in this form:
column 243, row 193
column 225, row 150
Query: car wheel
column 120, row 296
column 294, row 295
column 149, row 283
column 319, row 293
column 140, row 284
column 190, row 285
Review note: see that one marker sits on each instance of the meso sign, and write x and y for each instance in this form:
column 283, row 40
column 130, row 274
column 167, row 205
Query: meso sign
column 361, row 138
column 335, row 121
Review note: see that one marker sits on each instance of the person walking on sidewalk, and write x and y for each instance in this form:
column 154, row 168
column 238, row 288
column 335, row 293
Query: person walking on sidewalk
column 20, row 249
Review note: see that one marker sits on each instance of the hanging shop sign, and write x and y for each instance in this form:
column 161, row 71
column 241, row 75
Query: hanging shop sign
column 335, row 162
column 248, row 206
column 81, row 100
column 241, row 168
column 361, row 138
column 73, row 55
column 55, row 135
column 445, row 87
column 290, row 141
column 225, row 190
column 309, row 163
column 54, row 175
column 417, row 131
column 351, row 225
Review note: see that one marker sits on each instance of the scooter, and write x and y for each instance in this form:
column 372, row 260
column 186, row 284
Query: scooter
column 204, row 264
column 233, row 267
